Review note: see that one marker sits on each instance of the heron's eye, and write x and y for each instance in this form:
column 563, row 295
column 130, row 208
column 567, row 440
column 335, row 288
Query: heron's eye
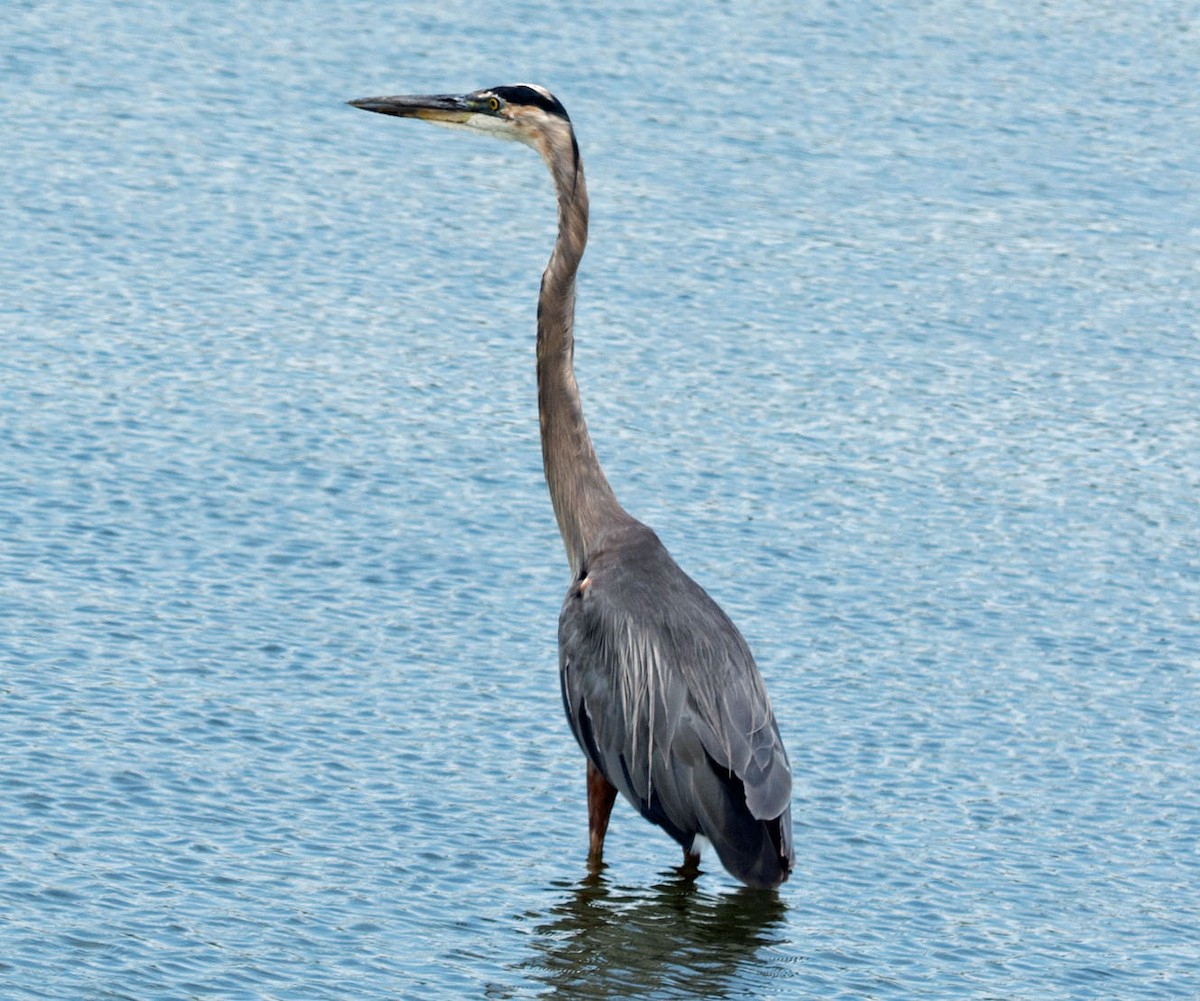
column 493, row 104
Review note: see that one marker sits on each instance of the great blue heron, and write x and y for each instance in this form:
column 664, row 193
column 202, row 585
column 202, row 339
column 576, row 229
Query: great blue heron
column 659, row 686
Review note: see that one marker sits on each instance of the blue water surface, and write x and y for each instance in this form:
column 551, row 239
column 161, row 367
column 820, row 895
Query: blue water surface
column 888, row 326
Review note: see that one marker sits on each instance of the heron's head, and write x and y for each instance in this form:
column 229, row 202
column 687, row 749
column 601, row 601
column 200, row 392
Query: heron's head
column 523, row 111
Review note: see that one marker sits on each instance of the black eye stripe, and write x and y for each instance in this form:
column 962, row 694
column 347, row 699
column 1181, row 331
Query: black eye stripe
column 521, row 94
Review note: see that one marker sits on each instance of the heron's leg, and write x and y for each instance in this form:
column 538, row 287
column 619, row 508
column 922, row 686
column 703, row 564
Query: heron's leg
column 690, row 868
column 601, row 795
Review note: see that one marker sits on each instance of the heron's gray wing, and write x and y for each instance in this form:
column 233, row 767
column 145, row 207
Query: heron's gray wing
column 663, row 694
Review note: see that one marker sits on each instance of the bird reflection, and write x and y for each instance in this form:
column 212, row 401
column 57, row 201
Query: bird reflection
column 607, row 941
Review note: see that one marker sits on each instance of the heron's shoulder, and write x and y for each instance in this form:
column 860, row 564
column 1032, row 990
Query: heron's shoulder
column 627, row 549
column 632, row 564
column 632, row 581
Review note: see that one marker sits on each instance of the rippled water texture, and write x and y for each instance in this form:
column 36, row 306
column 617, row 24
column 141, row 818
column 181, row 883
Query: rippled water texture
column 888, row 326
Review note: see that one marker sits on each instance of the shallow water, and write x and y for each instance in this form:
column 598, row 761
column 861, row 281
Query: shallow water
column 888, row 326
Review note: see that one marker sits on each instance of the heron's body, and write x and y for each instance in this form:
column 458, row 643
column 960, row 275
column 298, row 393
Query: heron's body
column 659, row 686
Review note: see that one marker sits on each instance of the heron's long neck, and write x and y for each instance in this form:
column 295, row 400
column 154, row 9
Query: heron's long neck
column 584, row 502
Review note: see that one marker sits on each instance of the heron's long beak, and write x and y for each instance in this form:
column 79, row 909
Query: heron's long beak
column 431, row 108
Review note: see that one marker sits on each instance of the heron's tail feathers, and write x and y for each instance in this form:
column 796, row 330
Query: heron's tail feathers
column 757, row 851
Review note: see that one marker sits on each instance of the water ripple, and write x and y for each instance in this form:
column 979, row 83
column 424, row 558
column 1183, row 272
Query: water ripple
column 887, row 326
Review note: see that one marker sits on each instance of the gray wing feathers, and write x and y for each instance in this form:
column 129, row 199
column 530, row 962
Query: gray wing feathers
column 662, row 692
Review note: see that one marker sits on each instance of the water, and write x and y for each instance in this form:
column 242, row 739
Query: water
column 888, row 326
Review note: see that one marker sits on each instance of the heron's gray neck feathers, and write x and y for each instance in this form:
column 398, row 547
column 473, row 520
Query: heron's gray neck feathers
column 584, row 503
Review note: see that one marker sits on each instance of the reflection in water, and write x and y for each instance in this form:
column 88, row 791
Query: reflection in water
column 606, row 941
